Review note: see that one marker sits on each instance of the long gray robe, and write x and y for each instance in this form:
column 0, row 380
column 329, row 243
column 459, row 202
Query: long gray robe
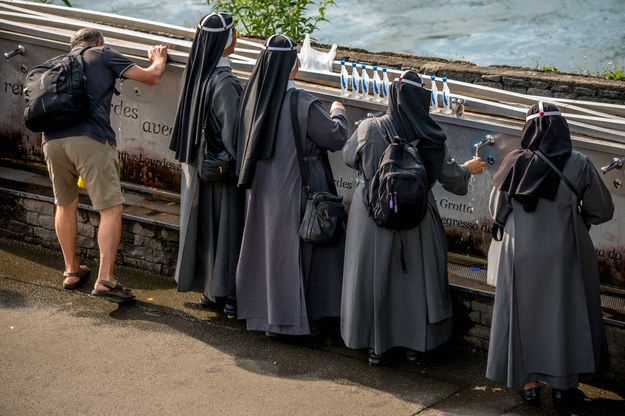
column 383, row 307
column 283, row 282
column 211, row 215
column 547, row 324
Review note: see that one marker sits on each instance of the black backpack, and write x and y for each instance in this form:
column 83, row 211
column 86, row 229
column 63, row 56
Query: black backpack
column 397, row 195
column 56, row 93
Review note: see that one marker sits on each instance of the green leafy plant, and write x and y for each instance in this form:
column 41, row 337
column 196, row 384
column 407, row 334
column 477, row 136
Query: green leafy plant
column 293, row 18
column 549, row 69
column 615, row 72
column 544, row 68
column 618, row 74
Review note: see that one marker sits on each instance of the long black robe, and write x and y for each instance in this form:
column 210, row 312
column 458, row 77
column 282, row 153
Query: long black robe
column 211, row 215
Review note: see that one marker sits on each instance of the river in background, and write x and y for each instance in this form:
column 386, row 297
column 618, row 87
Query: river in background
column 581, row 36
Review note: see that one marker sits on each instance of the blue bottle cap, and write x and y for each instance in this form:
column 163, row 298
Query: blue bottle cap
column 342, row 61
column 384, row 69
column 433, row 77
column 444, row 79
column 375, row 67
column 354, row 64
column 363, row 66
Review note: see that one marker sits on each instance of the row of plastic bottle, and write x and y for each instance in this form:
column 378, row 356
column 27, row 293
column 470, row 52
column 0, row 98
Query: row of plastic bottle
column 434, row 108
column 361, row 86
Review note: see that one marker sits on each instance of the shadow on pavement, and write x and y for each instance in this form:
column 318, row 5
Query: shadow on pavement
column 449, row 379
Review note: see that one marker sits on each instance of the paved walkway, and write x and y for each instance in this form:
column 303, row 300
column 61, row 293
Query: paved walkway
column 67, row 353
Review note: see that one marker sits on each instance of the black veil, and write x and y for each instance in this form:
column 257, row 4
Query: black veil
column 409, row 107
column 524, row 175
column 260, row 105
column 211, row 38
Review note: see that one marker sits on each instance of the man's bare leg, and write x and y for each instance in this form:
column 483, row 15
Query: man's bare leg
column 109, row 236
column 66, row 232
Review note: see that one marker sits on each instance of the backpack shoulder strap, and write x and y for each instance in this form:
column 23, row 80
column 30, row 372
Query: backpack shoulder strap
column 83, row 49
column 388, row 133
column 79, row 52
column 386, row 126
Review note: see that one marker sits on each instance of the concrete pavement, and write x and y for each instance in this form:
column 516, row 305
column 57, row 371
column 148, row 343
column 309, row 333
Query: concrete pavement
column 67, row 353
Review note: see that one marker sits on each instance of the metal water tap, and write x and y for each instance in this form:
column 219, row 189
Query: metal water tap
column 488, row 141
column 616, row 163
column 19, row 51
column 458, row 106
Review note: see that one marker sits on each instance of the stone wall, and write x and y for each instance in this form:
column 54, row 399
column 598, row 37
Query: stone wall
column 616, row 346
column 521, row 80
column 476, row 313
column 144, row 246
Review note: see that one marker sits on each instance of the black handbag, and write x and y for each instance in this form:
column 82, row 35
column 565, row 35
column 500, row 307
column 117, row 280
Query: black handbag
column 322, row 217
column 325, row 211
column 214, row 167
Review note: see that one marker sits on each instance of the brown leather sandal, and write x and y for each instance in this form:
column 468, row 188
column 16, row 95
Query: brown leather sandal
column 82, row 275
column 115, row 293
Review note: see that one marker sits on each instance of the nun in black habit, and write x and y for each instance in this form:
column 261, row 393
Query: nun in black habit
column 547, row 324
column 211, row 215
column 283, row 283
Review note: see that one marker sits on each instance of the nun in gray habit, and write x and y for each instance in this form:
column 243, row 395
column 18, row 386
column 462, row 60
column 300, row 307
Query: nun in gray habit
column 283, row 283
column 211, row 215
column 547, row 324
column 384, row 306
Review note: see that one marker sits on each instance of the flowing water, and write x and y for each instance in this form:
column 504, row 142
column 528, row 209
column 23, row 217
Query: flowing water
column 582, row 36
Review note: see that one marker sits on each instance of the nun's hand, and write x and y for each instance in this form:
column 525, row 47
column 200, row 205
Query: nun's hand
column 337, row 105
column 476, row 165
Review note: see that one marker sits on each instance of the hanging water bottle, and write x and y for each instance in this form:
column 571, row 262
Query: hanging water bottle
column 375, row 85
column 385, row 86
column 446, row 97
column 355, row 81
column 364, row 82
column 434, row 100
column 344, row 79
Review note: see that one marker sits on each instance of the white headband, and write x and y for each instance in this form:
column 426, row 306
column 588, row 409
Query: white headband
column 280, row 49
column 402, row 79
column 215, row 29
column 229, row 41
column 542, row 113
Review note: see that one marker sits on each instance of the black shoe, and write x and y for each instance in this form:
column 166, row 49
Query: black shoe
column 567, row 398
column 230, row 308
column 374, row 359
column 314, row 329
column 531, row 396
column 205, row 302
column 411, row 355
